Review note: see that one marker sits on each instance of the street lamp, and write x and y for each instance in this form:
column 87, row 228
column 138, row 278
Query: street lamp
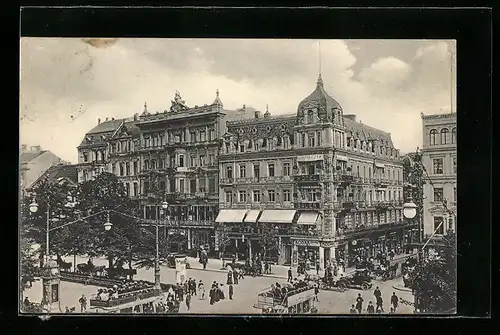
column 164, row 206
column 409, row 209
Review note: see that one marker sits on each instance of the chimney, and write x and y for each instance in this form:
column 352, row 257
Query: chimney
column 36, row 148
column 112, row 119
column 244, row 107
column 99, row 121
column 24, row 148
column 350, row 117
column 136, row 116
column 257, row 114
column 107, row 119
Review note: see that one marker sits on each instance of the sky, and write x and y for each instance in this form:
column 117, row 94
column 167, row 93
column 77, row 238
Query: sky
column 66, row 84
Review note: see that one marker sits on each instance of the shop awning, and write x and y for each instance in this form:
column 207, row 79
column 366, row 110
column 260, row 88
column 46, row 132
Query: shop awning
column 342, row 158
column 231, row 215
column 252, row 215
column 379, row 165
column 277, row 216
column 308, row 218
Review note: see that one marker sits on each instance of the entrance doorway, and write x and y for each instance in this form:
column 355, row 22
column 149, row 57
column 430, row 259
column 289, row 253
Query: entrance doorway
column 327, row 257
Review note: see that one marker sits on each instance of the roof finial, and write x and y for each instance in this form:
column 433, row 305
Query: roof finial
column 145, row 107
column 217, row 93
column 320, row 80
column 267, row 108
column 217, row 99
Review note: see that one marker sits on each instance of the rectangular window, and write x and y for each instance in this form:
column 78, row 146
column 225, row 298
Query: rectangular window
column 211, row 159
column 121, row 170
column 438, row 225
column 286, row 142
column 243, row 196
column 181, row 185
column 203, row 187
column 85, row 156
column 286, row 169
column 127, row 189
column 229, row 172
column 243, row 171
column 181, row 160
column 437, row 164
column 242, row 148
column 286, row 195
column 146, row 187
column 192, row 186
column 229, row 196
column 172, row 185
column 454, row 165
column 136, row 189
column 203, row 136
column 318, row 134
column 192, row 136
column 202, row 160
column 271, row 196
column 127, row 169
column 113, row 168
column 438, row 194
column 270, row 168
column 211, row 185
column 256, row 196
column 311, row 140
column 193, row 161
column 256, row 170
column 162, row 185
column 303, row 140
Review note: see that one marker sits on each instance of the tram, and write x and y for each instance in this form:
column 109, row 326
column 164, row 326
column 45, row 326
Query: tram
column 137, row 302
column 299, row 301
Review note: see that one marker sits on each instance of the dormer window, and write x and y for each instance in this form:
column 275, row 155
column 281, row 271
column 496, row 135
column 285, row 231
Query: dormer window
column 310, row 116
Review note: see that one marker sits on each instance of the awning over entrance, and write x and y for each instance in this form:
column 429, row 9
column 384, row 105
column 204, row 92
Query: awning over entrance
column 277, row 216
column 308, row 218
column 252, row 215
column 231, row 215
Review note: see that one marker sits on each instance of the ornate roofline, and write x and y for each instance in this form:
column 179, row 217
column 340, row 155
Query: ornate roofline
column 438, row 116
column 262, row 120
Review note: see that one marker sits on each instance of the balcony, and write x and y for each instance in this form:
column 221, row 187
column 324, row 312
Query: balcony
column 307, row 205
column 307, row 178
column 227, row 181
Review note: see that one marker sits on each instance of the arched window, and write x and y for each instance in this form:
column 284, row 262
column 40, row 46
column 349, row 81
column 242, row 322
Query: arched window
column 444, row 135
column 432, row 137
column 454, row 135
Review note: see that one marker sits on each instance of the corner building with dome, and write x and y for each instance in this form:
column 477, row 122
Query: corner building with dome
column 320, row 183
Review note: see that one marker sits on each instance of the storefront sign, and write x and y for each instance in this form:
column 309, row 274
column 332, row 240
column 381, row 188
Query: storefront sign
column 326, row 244
column 306, row 242
column 310, row 158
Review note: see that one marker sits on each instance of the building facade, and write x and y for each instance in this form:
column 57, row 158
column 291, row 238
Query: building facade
column 178, row 152
column 439, row 158
column 34, row 162
column 329, row 186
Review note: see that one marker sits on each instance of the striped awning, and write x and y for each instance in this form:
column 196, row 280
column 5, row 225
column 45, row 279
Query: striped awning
column 308, row 218
column 231, row 215
column 277, row 216
column 252, row 215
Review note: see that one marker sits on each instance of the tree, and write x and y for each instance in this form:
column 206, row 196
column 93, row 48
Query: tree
column 51, row 198
column 106, row 193
column 435, row 280
column 223, row 240
column 268, row 239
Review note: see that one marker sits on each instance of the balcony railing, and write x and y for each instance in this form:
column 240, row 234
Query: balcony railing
column 307, row 178
column 307, row 205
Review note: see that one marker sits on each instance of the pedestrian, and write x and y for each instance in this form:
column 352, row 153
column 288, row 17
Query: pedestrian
column 201, row 290
column 266, row 267
column 188, row 300
column 67, row 310
column 391, row 311
column 380, row 304
column 359, row 303
column 370, row 309
column 231, row 292
column 377, row 293
column 316, row 291
column 221, row 292
column 394, row 301
column 290, row 277
column 353, row 310
column 317, row 268
column 235, row 276
column 83, row 303
column 229, row 278
column 212, row 295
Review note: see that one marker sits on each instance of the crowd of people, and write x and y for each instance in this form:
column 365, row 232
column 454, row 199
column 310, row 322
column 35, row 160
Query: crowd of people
column 357, row 308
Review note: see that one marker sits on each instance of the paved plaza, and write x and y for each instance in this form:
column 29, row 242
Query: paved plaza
column 245, row 293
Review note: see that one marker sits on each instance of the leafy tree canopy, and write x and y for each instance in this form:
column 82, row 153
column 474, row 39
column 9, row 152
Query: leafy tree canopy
column 435, row 280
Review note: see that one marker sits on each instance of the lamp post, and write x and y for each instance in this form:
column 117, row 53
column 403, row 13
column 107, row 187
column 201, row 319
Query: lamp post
column 164, row 206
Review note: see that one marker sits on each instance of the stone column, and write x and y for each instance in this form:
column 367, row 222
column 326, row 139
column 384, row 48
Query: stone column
column 249, row 249
column 236, row 245
column 321, row 257
column 189, row 238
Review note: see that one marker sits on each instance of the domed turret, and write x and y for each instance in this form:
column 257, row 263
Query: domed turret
column 319, row 103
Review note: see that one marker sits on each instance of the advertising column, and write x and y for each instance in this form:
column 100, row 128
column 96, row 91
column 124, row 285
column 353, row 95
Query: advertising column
column 180, row 270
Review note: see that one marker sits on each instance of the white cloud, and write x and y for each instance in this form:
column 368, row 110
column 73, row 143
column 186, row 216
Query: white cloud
column 65, row 77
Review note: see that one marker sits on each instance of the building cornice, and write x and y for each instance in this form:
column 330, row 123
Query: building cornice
column 439, row 116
